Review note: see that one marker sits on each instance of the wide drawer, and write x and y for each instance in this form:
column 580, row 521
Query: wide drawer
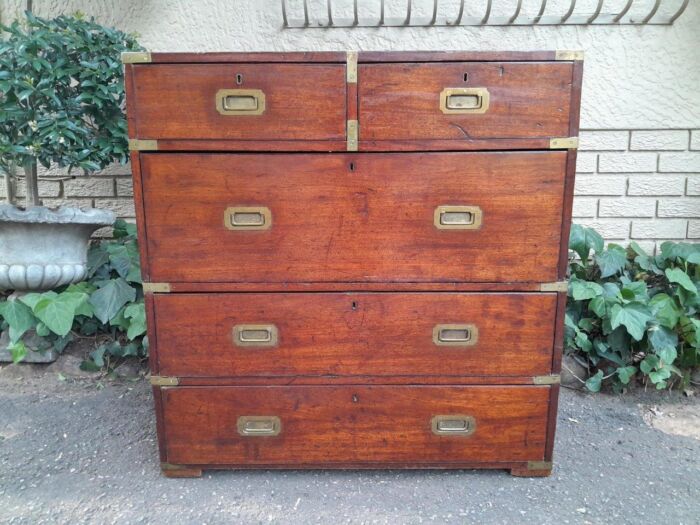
column 352, row 334
column 418, row 217
column 464, row 101
column 353, row 425
column 263, row 102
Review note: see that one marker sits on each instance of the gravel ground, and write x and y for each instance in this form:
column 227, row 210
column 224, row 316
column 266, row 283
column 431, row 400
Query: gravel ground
column 78, row 450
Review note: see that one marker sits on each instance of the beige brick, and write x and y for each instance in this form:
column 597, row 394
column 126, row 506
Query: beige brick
column 684, row 207
column 656, row 185
column 585, row 207
column 55, row 171
column 669, row 139
column 47, row 188
column 659, row 229
column 114, row 169
column 600, row 185
column 693, row 187
column 608, row 228
column 679, row 162
column 586, row 162
column 629, row 207
column 693, row 229
column 642, row 162
column 695, row 139
column 122, row 207
column 125, row 187
column 89, row 187
column 83, row 204
column 603, row 140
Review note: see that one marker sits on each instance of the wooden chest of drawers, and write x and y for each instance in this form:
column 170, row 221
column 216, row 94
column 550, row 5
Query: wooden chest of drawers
column 354, row 261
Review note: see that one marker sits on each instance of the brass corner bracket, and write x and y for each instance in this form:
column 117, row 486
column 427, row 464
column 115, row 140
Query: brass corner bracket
column 553, row 379
column 136, row 57
column 558, row 286
column 143, row 145
column 156, row 287
column 164, row 381
column 567, row 54
column 563, row 143
column 351, row 67
column 352, row 133
column 539, row 465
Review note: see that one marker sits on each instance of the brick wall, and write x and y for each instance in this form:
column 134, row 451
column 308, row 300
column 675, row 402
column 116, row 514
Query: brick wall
column 639, row 185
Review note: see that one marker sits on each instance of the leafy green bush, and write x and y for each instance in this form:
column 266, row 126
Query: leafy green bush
column 109, row 302
column 632, row 314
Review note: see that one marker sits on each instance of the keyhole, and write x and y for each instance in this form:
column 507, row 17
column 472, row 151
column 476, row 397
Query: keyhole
column 239, row 79
column 354, row 305
column 352, row 166
column 466, row 77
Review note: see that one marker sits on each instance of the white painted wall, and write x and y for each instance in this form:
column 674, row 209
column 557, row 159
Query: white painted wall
column 636, row 78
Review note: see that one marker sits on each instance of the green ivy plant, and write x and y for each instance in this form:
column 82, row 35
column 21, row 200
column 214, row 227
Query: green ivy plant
column 630, row 314
column 61, row 96
column 110, row 302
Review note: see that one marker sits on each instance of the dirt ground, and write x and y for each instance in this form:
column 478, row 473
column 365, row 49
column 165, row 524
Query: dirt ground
column 77, row 448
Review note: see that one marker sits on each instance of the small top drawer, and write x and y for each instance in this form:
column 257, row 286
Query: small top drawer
column 238, row 102
column 464, row 104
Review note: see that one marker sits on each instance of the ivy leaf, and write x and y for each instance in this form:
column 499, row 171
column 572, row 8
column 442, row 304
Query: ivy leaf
column 632, row 316
column 594, row 382
column 625, row 373
column 19, row 316
column 664, row 342
column 597, row 306
column 635, row 291
column 664, row 308
column 582, row 290
column 57, row 312
column 582, row 240
column 18, row 351
column 676, row 275
column 612, row 260
column 109, row 299
column 137, row 313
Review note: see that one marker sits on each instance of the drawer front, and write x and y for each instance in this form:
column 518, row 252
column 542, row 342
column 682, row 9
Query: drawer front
column 269, row 102
column 325, row 425
column 345, row 334
column 498, row 100
column 418, row 217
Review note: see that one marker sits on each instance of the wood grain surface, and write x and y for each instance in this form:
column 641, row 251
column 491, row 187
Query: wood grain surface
column 353, row 217
column 331, row 425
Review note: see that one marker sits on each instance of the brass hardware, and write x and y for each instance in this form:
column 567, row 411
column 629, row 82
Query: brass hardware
column 240, row 101
column 248, row 218
column 143, row 145
column 453, row 425
column 136, row 57
column 464, row 100
column 156, row 287
column 558, row 286
column 455, row 334
column 260, row 335
column 171, row 466
column 352, row 135
column 457, row 217
column 539, row 465
column 553, row 379
column 164, row 381
column 569, row 55
column 351, row 67
column 259, row 425
column 563, row 143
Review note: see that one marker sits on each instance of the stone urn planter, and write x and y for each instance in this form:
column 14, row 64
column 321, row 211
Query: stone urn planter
column 41, row 249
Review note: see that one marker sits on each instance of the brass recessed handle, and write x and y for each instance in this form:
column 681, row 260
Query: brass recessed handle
column 464, row 100
column 455, row 334
column 247, row 218
column 259, row 425
column 240, row 101
column 453, row 425
column 458, row 217
column 261, row 335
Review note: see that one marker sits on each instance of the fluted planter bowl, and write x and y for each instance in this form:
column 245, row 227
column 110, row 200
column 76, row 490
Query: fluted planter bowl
column 41, row 248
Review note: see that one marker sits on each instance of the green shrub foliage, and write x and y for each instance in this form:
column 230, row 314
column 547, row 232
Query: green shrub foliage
column 62, row 93
column 630, row 314
column 109, row 302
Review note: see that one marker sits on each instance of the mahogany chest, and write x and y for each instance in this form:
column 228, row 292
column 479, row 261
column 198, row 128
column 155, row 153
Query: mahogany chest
column 354, row 260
